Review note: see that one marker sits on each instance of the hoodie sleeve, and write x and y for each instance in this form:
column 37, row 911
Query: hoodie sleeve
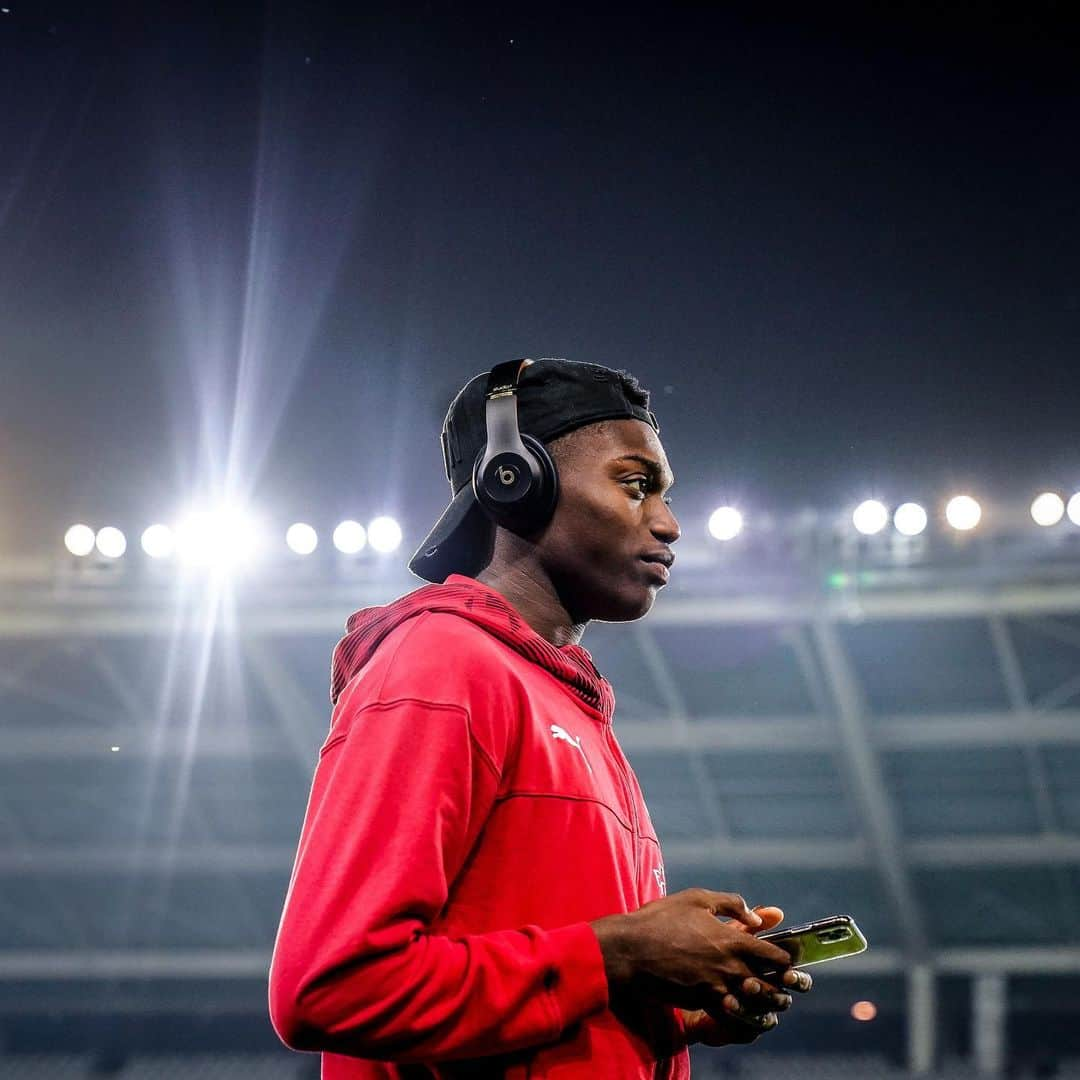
column 400, row 793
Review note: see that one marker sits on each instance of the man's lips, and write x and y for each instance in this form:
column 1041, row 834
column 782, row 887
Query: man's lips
column 657, row 569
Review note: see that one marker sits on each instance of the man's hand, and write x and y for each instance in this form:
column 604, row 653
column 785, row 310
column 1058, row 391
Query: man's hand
column 754, row 1008
column 677, row 951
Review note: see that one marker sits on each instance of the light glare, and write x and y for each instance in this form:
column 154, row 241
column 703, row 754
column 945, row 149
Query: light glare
column 384, row 535
column 111, row 542
column 301, row 538
column 909, row 519
column 79, row 540
column 158, row 541
column 870, row 517
column 963, row 513
column 221, row 539
column 350, row 537
column 1073, row 509
column 725, row 523
column 1048, row 508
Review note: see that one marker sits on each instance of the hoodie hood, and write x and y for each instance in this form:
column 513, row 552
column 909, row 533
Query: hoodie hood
column 491, row 611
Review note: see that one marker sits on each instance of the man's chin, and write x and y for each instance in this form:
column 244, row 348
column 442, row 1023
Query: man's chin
column 630, row 606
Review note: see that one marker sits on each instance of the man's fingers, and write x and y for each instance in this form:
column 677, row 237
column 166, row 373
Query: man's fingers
column 763, row 955
column 733, row 971
column 799, row 981
column 763, row 998
column 730, row 904
column 737, row 1011
column 734, row 1029
column 770, row 916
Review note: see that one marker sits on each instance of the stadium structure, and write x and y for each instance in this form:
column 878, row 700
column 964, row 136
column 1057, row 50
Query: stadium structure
column 882, row 725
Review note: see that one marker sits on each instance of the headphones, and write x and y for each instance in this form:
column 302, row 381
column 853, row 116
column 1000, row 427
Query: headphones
column 514, row 479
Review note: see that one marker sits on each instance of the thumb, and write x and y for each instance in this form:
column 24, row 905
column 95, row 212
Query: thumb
column 730, row 904
column 769, row 916
column 697, row 1025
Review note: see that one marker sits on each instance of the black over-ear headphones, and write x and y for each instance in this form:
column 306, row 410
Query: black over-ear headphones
column 514, row 479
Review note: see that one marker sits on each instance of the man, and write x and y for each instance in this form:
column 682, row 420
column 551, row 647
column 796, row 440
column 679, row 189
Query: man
column 478, row 889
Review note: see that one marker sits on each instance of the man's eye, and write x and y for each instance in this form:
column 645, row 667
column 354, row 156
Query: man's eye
column 644, row 483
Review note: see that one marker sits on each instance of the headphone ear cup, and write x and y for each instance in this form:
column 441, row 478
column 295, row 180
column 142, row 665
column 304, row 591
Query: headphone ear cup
column 517, row 492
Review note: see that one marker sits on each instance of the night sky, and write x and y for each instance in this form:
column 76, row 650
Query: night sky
column 264, row 246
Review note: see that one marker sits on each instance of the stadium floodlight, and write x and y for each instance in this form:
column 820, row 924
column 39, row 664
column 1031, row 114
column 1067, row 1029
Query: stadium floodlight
column 870, row 517
column 963, row 513
column 384, row 535
column 111, row 542
column 725, row 523
column 1048, row 508
column 301, row 538
column 79, row 540
column 158, row 541
column 910, row 519
column 350, row 537
column 1073, row 509
column 220, row 539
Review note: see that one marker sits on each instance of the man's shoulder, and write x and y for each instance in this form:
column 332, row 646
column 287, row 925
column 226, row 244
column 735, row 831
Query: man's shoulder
column 439, row 658
column 440, row 635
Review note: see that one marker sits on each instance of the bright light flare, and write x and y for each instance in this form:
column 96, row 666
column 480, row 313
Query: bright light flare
column 111, row 542
column 220, row 539
column 350, row 537
column 1073, row 509
column 910, row 519
column 725, row 523
column 864, row 1011
column 1047, row 509
column 963, row 513
column 79, row 540
column 870, row 517
column 384, row 535
column 301, row 538
column 158, row 541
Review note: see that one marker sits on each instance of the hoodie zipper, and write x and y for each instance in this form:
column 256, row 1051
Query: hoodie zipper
column 662, row 1068
column 631, row 805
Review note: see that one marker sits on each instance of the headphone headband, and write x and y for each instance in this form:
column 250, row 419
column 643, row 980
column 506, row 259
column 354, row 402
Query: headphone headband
column 504, row 377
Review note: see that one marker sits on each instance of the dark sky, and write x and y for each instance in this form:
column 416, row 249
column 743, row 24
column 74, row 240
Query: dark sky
column 843, row 252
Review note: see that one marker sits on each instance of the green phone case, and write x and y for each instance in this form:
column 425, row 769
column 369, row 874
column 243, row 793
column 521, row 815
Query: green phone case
column 821, row 940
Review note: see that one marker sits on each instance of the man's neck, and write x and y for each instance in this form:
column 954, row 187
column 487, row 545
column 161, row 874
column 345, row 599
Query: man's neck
column 535, row 598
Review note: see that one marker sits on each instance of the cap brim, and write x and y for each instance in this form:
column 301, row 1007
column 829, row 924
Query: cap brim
column 460, row 542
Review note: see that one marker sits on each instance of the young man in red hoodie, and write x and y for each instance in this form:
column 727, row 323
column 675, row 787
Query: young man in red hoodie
column 478, row 889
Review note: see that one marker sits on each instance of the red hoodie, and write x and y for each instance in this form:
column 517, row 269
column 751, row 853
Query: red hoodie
column 471, row 812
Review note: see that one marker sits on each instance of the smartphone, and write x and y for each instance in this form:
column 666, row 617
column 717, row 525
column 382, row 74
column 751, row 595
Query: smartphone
column 815, row 942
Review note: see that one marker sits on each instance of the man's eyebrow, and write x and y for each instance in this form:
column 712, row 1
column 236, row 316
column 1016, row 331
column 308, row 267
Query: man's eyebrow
column 650, row 465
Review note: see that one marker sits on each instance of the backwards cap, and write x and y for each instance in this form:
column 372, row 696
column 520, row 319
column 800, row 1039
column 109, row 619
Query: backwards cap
column 554, row 397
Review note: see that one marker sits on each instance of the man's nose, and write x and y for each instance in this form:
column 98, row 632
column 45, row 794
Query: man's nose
column 665, row 525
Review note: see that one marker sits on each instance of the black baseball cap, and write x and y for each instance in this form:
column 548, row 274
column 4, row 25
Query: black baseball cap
column 554, row 397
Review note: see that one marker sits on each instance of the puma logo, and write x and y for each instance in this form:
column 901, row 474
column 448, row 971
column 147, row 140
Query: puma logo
column 574, row 740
